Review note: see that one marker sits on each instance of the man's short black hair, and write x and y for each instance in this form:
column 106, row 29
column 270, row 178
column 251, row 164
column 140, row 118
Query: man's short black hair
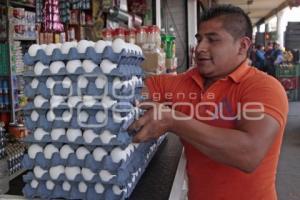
column 235, row 20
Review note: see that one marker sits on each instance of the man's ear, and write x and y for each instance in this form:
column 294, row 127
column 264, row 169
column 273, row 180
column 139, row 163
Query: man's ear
column 245, row 44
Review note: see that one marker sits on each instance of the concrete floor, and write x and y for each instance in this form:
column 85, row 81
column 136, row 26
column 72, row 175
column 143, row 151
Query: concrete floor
column 288, row 175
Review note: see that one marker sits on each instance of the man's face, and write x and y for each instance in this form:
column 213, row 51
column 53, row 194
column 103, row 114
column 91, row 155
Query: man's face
column 217, row 52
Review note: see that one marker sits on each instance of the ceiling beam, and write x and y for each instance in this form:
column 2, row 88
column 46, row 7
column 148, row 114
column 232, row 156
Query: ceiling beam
column 272, row 12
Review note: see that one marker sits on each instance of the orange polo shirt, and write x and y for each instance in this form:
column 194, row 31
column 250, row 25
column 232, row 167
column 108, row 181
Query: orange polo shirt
column 208, row 179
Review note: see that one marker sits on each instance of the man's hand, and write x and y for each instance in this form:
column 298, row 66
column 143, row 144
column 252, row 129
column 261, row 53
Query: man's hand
column 156, row 121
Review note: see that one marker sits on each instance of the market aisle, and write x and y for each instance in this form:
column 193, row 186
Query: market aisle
column 288, row 177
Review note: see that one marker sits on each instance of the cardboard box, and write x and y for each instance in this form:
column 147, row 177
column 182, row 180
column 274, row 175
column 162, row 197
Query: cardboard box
column 154, row 62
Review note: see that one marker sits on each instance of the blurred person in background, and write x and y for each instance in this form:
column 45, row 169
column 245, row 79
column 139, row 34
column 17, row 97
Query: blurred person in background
column 260, row 57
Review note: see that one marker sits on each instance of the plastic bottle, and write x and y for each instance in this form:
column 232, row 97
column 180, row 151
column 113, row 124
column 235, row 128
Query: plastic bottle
column 172, row 33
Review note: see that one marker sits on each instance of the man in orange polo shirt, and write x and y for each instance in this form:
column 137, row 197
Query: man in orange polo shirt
column 230, row 116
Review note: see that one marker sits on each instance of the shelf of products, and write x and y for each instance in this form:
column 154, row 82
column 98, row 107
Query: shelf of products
column 288, row 74
column 20, row 4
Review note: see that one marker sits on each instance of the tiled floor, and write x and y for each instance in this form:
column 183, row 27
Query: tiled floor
column 288, row 175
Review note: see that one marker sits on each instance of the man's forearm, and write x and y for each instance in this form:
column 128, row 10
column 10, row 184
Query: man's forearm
column 228, row 146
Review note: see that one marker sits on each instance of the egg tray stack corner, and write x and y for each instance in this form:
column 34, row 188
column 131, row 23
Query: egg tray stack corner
column 81, row 102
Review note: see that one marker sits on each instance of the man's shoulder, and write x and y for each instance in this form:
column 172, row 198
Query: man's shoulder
column 179, row 77
column 257, row 79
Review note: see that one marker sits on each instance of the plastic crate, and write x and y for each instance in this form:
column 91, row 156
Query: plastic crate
column 292, row 95
column 289, row 83
column 287, row 70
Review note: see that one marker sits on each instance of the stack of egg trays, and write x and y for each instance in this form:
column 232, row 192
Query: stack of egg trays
column 127, row 170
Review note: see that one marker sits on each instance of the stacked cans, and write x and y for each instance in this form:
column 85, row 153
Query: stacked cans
column 82, row 96
column 14, row 152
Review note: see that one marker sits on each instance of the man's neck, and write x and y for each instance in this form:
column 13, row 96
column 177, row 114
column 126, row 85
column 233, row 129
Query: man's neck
column 209, row 81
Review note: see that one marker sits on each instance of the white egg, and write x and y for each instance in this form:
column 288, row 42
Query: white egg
column 50, row 83
column 101, row 82
column 107, row 66
column 32, row 51
column 129, row 149
column 34, row 116
column 33, row 150
column 74, row 44
column 100, row 116
column 134, row 80
column 57, row 133
column 66, row 116
column 105, row 175
column 134, row 49
column 49, row 49
column 73, row 134
column 99, row 153
column 73, row 101
column 56, row 100
column 73, row 65
column 83, row 45
column 82, row 82
column 65, row 47
column 67, row 83
column 58, row 45
column 34, row 83
column 89, row 101
column 140, row 50
column 56, row 66
column 100, row 45
column 50, row 116
column 65, row 151
column 34, row 183
column 99, row 188
column 116, row 190
column 108, row 42
column 128, row 48
column 89, row 66
column 56, row 171
column 106, row 136
column 87, row 174
column 117, row 154
column 39, row 134
column 66, row 186
column 72, row 172
column 50, row 185
column 117, row 83
column 39, row 101
column 49, row 150
column 83, row 117
column 82, row 187
column 107, row 102
column 39, row 172
column 118, row 45
column 81, row 153
column 117, row 117
column 43, row 46
column 89, row 136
